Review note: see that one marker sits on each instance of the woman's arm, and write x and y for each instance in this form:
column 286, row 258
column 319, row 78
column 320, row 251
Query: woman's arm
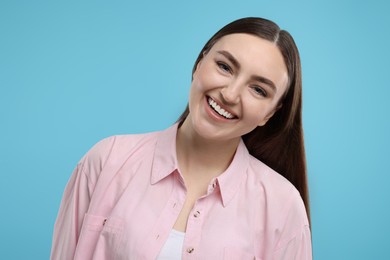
column 76, row 200
column 299, row 247
column 295, row 234
column 73, row 207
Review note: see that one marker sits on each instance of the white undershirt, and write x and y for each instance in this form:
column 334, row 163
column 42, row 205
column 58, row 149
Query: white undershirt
column 173, row 247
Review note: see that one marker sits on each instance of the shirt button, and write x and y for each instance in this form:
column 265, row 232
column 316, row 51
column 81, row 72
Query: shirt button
column 213, row 185
column 196, row 214
column 190, row 250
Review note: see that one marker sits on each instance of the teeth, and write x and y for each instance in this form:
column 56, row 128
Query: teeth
column 219, row 110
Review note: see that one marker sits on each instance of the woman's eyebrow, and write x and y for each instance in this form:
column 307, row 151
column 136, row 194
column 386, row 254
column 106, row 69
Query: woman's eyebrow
column 235, row 62
column 230, row 57
column 266, row 81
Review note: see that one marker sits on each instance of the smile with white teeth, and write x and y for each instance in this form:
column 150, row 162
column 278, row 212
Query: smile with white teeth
column 219, row 109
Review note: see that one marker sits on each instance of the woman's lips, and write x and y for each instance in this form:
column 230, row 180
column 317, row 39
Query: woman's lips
column 217, row 109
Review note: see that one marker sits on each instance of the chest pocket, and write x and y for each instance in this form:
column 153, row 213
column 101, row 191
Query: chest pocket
column 100, row 238
column 234, row 254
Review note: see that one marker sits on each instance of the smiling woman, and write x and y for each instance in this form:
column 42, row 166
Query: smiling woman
column 227, row 181
column 227, row 88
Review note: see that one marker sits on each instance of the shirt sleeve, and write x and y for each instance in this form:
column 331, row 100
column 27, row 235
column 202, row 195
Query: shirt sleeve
column 295, row 234
column 74, row 205
column 76, row 200
column 298, row 248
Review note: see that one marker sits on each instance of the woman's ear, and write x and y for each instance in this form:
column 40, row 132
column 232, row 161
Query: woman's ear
column 198, row 65
column 200, row 61
column 196, row 68
column 204, row 53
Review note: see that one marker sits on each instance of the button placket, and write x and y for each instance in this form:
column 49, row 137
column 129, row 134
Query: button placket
column 194, row 228
column 163, row 224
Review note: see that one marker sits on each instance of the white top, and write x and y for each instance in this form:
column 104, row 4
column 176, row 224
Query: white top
column 173, row 247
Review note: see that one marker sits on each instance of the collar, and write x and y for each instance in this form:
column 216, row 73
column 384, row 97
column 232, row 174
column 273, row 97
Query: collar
column 165, row 160
column 165, row 163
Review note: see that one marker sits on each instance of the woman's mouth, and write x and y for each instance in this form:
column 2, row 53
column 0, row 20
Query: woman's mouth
column 219, row 110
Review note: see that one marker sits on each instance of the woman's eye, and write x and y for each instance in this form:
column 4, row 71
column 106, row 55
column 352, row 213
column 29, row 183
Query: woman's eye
column 224, row 67
column 260, row 91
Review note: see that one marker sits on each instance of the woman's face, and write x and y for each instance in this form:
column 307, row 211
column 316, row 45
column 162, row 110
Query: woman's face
column 236, row 87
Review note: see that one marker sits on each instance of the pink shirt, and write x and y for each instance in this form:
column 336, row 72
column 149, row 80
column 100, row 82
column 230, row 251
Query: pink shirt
column 127, row 192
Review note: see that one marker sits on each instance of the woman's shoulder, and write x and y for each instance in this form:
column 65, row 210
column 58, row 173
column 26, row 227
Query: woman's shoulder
column 114, row 149
column 125, row 143
column 281, row 195
column 119, row 143
column 268, row 178
column 286, row 213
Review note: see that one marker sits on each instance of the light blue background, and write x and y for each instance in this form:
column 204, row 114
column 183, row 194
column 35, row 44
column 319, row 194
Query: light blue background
column 74, row 72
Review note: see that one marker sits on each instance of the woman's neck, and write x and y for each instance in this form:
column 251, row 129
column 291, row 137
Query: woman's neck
column 203, row 157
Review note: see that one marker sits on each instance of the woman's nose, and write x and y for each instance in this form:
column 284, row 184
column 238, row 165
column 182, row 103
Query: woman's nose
column 231, row 94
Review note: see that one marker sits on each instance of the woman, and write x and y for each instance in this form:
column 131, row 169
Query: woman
column 202, row 188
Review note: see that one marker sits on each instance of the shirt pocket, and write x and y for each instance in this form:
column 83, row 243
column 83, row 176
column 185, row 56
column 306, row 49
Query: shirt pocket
column 230, row 253
column 100, row 237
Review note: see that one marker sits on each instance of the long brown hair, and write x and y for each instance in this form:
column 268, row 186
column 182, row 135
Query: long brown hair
column 279, row 143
